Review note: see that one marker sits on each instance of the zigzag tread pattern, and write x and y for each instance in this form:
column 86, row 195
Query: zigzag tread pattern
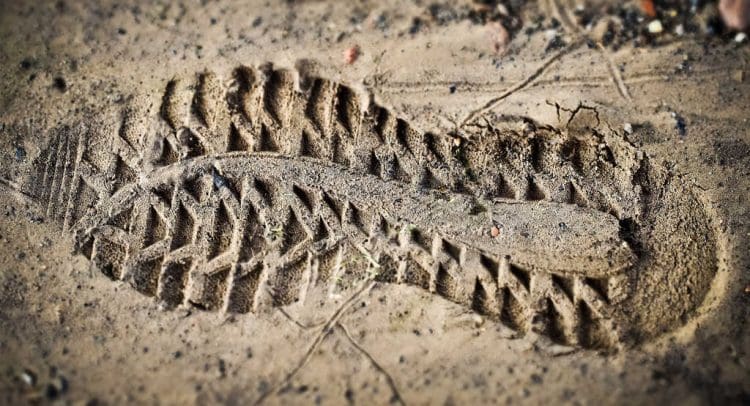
column 236, row 242
column 221, row 248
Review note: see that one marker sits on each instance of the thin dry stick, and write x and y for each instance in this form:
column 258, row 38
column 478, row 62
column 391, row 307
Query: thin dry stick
column 615, row 72
column 520, row 85
column 634, row 77
column 318, row 340
column 391, row 382
column 557, row 11
column 564, row 16
column 297, row 322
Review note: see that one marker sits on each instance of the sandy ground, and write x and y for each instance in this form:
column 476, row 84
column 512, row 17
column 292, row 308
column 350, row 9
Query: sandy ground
column 70, row 334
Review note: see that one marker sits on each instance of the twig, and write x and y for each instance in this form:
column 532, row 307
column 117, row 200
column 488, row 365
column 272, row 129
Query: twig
column 391, row 382
column 492, row 103
column 297, row 322
column 317, row 341
column 563, row 15
column 616, row 75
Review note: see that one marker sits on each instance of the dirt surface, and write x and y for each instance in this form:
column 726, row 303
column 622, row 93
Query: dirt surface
column 373, row 202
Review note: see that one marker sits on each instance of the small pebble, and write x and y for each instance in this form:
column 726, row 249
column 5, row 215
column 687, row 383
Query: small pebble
column 20, row 154
column 500, row 37
column 28, row 377
column 648, row 8
column 740, row 37
column 219, row 181
column 351, row 54
column 655, row 27
column 628, row 128
column 494, row 231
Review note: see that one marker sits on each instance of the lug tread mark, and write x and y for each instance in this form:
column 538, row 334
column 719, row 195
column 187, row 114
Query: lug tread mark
column 224, row 244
